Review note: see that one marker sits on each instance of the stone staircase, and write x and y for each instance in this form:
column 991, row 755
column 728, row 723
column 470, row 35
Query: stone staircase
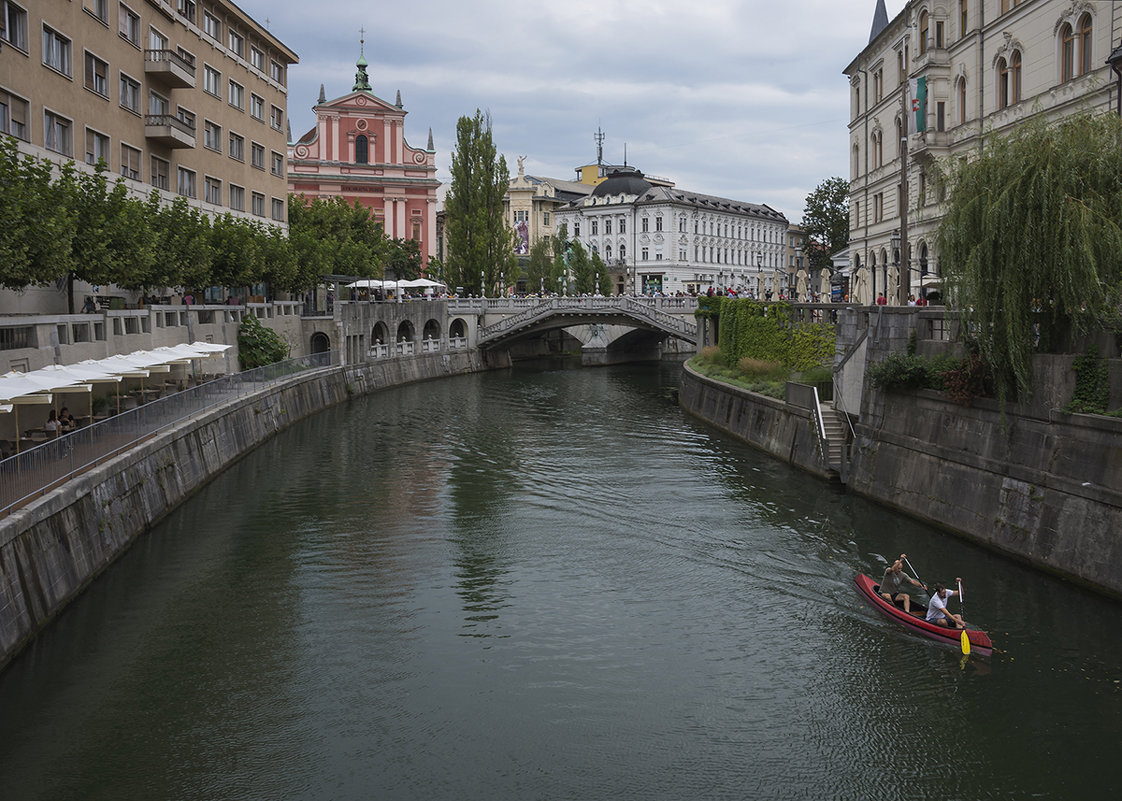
column 834, row 423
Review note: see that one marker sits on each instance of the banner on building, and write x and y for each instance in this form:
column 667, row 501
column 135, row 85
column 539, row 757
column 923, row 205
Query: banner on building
column 917, row 95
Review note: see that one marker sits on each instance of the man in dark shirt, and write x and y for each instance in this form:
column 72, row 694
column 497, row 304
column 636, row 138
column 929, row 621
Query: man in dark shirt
column 893, row 580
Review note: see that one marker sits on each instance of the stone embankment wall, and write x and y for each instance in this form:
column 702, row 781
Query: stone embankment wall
column 769, row 424
column 1046, row 490
column 52, row 548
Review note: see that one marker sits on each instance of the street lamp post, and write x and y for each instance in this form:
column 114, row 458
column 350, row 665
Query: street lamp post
column 798, row 269
column 759, row 275
column 482, row 285
column 895, row 243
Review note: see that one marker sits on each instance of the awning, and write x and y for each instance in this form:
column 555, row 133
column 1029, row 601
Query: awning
column 931, row 280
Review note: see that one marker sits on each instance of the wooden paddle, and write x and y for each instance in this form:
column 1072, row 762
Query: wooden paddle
column 962, row 609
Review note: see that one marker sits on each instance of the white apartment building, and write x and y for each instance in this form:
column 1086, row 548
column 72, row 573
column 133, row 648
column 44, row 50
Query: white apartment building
column 658, row 238
column 931, row 85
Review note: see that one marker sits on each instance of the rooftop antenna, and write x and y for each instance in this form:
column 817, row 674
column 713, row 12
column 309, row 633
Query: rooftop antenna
column 599, row 137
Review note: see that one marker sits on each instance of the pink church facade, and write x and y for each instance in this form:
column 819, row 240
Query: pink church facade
column 358, row 151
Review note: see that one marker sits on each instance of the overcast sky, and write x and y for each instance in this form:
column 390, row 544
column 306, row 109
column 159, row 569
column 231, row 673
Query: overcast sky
column 744, row 99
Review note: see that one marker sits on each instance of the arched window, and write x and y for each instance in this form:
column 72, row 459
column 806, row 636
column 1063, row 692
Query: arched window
column 1085, row 44
column 362, row 150
column 1015, row 77
column 1002, row 83
column 962, row 17
column 608, row 252
column 1067, row 53
column 961, row 101
column 924, row 30
column 899, row 136
column 623, row 252
column 878, row 154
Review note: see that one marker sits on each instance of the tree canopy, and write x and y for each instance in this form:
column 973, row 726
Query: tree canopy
column 480, row 243
column 1030, row 243
column 826, row 220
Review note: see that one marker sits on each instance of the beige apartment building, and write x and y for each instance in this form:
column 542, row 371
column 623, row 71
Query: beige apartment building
column 931, row 85
column 185, row 97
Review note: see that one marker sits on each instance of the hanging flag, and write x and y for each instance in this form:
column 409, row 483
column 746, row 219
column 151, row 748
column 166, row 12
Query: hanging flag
column 917, row 91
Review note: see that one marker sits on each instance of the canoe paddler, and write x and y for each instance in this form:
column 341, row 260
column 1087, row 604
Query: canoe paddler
column 893, row 579
column 937, row 611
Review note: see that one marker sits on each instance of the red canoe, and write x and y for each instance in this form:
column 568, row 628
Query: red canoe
column 979, row 640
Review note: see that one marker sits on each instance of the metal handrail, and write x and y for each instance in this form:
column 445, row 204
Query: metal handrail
column 35, row 471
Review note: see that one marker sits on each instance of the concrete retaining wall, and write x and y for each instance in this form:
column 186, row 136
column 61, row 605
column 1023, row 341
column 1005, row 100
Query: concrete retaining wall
column 52, row 548
column 769, row 424
column 1046, row 491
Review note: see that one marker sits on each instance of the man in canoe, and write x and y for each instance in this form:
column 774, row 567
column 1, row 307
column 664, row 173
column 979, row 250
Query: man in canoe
column 893, row 580
column 937, row 611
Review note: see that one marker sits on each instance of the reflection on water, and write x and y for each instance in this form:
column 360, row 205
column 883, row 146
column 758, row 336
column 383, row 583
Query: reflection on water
column 549, row 584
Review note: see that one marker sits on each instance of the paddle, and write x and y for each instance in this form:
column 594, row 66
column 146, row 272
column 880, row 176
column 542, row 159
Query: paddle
column 962, row 609
column 904, row 556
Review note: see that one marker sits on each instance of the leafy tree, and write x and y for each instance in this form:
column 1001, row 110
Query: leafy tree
column 578, row 268
column 404, row 258
column 335, row 237
column 480, row 243
column 539, row 271
column 258, row 345
column 1030, row 241
column 600, row 278
column 826, row 220
column 237, row 259
column 37, row 216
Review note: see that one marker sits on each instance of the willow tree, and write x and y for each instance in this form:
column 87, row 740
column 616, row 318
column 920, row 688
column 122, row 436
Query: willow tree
column 1031, row 245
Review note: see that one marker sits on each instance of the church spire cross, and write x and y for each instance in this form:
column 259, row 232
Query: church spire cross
column 362, row 80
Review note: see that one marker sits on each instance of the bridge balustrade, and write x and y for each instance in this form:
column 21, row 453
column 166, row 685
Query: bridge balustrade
column 430, row 346
column 406, row 348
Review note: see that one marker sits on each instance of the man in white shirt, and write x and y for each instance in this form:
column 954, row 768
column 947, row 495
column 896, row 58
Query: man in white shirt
column 937, row 611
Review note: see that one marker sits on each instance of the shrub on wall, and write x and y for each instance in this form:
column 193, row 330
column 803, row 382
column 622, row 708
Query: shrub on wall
column 258, row 345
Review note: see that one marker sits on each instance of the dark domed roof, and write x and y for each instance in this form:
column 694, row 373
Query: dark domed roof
column 622, row 182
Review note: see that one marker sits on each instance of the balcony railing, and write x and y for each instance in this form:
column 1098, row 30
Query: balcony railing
column 167, row 129
column 170, row 68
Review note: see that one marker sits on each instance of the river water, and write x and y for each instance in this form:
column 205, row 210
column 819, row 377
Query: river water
column 549, row 584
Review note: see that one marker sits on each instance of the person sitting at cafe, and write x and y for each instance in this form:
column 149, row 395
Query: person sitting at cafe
column 66, row 420
column 52, row 422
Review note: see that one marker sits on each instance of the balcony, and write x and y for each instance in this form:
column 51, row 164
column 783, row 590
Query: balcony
column 169, row 130
column 169, row 68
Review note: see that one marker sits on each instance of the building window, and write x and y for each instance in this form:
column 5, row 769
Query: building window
column 608, row 226
column 594, row 228
column 256, row 58
column 186, row 9
column 185, row 182
column 257, row 107
column 97, row 147
column 276, row 72
column 185, row 116
column 623, row 226
column 98, row 8
column 278, row 209
column 1009, row 80
column 56, row 50
column 128, row 25
column 160, row 169
column 545, row 218
column 212, row 189
column 608, row 251
column 212, row 136
column 645, row 223
column 878, row 152
column 237, row 197
column 277, row 168
column 940, row 116
column 576, row 228
column 962, row 17
column 130, row 94
column 130, row 162
column 622, row 252
column 13, row 115
column 682, row 224
column 258, row 201
column 212, row 81
column 1085, row 44
column 57, row 134
column 276, row 118
column 212, row 27
column 1067, row 53
column 237, row 44
column 257, row 155
column 924, row 31
column 13, row 25
column 961, row 101
column 645, row 254
column 658, row 223
column 237, row 95
column 157, row 105
column 237, row 147
column 362, row 150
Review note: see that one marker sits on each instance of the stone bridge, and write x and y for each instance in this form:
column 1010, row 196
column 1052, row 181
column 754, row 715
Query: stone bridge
column 603, row 329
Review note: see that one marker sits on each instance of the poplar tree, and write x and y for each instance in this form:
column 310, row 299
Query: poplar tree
column 480, row 243
column 1030, row 243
